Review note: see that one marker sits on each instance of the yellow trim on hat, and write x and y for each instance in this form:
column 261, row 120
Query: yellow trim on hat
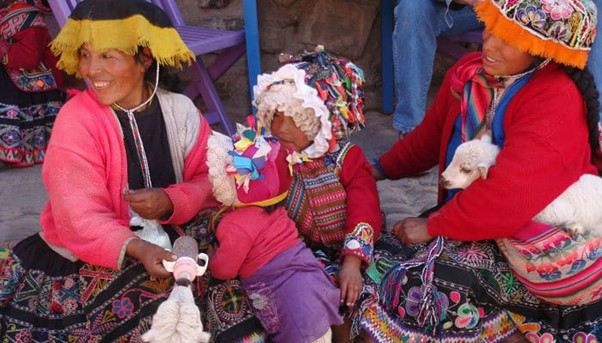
column 126, row 35
column 266, row 202
column 525, row 40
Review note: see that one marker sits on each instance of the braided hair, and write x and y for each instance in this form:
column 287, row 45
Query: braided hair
column 584, row 80
column 169, row 77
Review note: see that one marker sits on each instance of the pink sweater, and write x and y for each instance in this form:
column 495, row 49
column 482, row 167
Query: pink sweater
column 250, row 237
column 85, row 175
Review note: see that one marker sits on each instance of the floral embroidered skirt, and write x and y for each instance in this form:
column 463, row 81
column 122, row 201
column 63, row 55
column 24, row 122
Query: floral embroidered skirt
column 26, row 121
column 47, row 298
column 473, row 297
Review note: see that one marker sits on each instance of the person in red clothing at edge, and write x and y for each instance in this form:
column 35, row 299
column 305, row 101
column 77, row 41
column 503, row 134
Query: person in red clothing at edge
column 482, row 270
column 290, row 292
column 30, row 84
column 312, row 103
column 128, row 146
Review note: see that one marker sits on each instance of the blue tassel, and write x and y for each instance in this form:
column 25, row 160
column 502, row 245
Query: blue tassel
column 390, row 286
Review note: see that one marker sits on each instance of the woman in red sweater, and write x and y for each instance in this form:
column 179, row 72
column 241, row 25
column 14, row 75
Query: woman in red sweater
column 529, row 91
column 30, row 84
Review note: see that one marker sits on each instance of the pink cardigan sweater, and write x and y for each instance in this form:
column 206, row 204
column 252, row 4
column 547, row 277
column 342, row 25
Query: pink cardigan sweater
column 85, row 175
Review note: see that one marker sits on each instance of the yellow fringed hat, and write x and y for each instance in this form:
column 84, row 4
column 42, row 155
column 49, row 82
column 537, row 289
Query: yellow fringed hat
column 563, row 30
column 125, row 25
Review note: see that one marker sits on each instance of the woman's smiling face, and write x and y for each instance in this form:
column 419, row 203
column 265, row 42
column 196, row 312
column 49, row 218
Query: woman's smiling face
column 502, row 59
column 115, row 76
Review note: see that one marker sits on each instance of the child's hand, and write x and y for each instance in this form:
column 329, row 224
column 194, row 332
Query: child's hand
column 350, row 280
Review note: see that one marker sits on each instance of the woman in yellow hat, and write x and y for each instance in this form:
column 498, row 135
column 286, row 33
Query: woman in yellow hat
column 125, row 161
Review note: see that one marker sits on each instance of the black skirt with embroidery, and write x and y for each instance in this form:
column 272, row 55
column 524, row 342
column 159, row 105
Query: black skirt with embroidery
column 26, row 120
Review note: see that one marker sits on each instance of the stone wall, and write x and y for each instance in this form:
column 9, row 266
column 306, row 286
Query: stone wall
column 349, row 28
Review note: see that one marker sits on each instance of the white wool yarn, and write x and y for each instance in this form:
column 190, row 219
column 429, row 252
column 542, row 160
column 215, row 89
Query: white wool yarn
column 224, row 187
column 178, row 320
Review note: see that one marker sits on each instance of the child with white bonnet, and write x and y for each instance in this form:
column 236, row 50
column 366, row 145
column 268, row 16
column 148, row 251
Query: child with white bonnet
column 289, row 291
column 312, row 104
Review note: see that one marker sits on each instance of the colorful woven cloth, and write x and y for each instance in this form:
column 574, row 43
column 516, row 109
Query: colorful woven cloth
column 475, row 88
column 20, row 15
column 322, row 93
column 558, row 266
column 471, row 283
column 317, row 203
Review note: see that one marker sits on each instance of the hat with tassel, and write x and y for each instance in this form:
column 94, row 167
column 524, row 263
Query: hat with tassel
column 323, row 94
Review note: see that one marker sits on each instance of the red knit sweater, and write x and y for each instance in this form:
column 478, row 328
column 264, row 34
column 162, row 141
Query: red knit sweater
column 545, row 150
column 250, row 237
column 85, row 174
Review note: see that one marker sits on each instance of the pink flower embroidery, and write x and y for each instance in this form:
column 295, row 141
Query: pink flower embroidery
column 558, row 9
column 535, row 338
column 123, row 308
column 582, row 337
column 12, row 113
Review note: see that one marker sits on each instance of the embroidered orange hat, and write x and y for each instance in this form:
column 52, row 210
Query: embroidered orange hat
column 563, row 30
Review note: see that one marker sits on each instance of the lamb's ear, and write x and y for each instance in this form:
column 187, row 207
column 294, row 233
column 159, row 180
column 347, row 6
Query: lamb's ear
column 483, row 169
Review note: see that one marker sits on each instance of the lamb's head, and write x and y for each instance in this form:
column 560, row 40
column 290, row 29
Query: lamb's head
column 471, row 160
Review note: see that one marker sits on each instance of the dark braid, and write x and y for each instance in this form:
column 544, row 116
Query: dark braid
column 585, row 83
column 169, row 77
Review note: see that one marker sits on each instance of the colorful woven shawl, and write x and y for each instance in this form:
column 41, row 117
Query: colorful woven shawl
column 21, row 14
column 474, row 88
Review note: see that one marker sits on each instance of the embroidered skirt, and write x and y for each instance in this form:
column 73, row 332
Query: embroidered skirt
column 26, row 121
column 47, row 298
column 474, row 297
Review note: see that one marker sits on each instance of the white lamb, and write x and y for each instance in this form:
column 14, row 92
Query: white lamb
column 578, row 209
